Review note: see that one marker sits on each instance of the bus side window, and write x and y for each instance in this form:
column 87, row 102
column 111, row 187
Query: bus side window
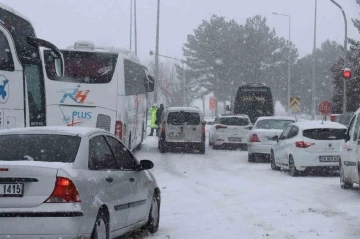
column 6, row 60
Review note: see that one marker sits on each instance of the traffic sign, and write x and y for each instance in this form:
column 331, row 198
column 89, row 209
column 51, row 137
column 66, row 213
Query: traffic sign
column 212, row 103
column 295, row 104
column 325, row 108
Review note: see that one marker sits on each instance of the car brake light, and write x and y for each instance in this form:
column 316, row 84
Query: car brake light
column 64, row 192
column 119, row 129
column 220, row 127
column 163, row 127
column 302, row 144
column 254, row 138
column 203, row 128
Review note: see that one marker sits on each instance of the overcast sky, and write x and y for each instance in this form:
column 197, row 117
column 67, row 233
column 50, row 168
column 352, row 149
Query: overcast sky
column 106, row 22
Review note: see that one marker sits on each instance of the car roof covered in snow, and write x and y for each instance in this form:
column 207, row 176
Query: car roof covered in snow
column 276, row 118
column 319, row 125
column 62, row 130
column 189, row 109
column 232, row 115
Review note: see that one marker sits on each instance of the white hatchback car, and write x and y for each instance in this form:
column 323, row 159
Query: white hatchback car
column 73, row 182
column 306, row 146
column 262, row 135
column 350, row 154
column 230, row 130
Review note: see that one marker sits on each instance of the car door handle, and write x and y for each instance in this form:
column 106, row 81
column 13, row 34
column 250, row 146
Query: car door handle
column 109, row 179
column 132, row 179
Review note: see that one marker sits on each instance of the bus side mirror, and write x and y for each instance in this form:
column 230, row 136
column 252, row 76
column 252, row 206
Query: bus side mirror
column 59, row 67
column 150, row 84
column 59, row 60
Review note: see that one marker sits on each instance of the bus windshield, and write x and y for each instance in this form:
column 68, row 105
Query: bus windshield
column 82, row 67
column 254, row 102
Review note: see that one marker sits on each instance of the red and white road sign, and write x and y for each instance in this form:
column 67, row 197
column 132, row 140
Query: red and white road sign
column 325, row 108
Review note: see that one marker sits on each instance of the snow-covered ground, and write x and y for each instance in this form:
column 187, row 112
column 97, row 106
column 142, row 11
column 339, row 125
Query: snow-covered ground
column 221, row 195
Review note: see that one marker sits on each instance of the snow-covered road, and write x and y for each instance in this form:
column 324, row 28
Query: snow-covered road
column 221, row 195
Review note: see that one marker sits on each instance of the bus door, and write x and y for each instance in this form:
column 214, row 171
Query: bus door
column 11, row 84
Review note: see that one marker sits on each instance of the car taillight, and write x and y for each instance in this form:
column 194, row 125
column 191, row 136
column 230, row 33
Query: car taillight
column 203, row 127
column 119, row 129
column 302, row 144
column 64, row 192
column 254, row 138
column 163, row 127
column 220, row 127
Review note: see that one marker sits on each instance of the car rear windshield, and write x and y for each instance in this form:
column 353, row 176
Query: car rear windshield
column 324, row 134
column 183, row 118
column 273, row 124
column 39, row 147
column 234, row 121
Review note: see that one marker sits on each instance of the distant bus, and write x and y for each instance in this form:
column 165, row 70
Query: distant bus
column 102, row 87
column 254, row 100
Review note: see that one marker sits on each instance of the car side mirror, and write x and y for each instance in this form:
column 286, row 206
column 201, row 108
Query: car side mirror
column 346, row 137
column 146, row 164
column 249, row 127
column 275, row 138
column 228, row 108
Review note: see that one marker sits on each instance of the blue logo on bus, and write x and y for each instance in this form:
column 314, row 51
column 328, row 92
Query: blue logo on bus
column 4, row 89
column 77, row 118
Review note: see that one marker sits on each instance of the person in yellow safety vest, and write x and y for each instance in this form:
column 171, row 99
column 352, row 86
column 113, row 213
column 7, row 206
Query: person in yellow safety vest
column 153, row 124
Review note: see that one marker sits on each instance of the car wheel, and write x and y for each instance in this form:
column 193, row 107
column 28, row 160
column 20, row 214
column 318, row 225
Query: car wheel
column 293, row 172
column 202, row 149
column 162, row 147
column 101, row 227
column 154, row 215
column 343, row 183
column 272, row 162
column 215, row 147
column 251, row 157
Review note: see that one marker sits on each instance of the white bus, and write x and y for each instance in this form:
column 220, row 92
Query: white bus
column 101, row 87
column 22, row 89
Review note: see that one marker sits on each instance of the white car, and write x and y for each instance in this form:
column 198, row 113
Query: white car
column 230, row 130
column 262, row 135
column 73, row 182
column 307, row 146
column 182, row 127
column 350, row 154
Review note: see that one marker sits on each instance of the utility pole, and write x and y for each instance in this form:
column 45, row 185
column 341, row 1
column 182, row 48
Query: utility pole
column 345, row 52
column 135, row 27
column 314, row 65
column 157, row 53
column 131, row 10
column 289, row 59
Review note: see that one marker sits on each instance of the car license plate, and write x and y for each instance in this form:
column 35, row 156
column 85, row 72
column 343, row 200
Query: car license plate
column 234, row 139
column 178, row 135
column 329, row 158
column 11, row 189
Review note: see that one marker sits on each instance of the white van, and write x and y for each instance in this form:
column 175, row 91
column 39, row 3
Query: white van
column 182, row 127
column 350, row 154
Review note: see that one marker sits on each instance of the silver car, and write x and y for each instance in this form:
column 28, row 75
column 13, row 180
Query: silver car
column 262, row 135
column 73, row 182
